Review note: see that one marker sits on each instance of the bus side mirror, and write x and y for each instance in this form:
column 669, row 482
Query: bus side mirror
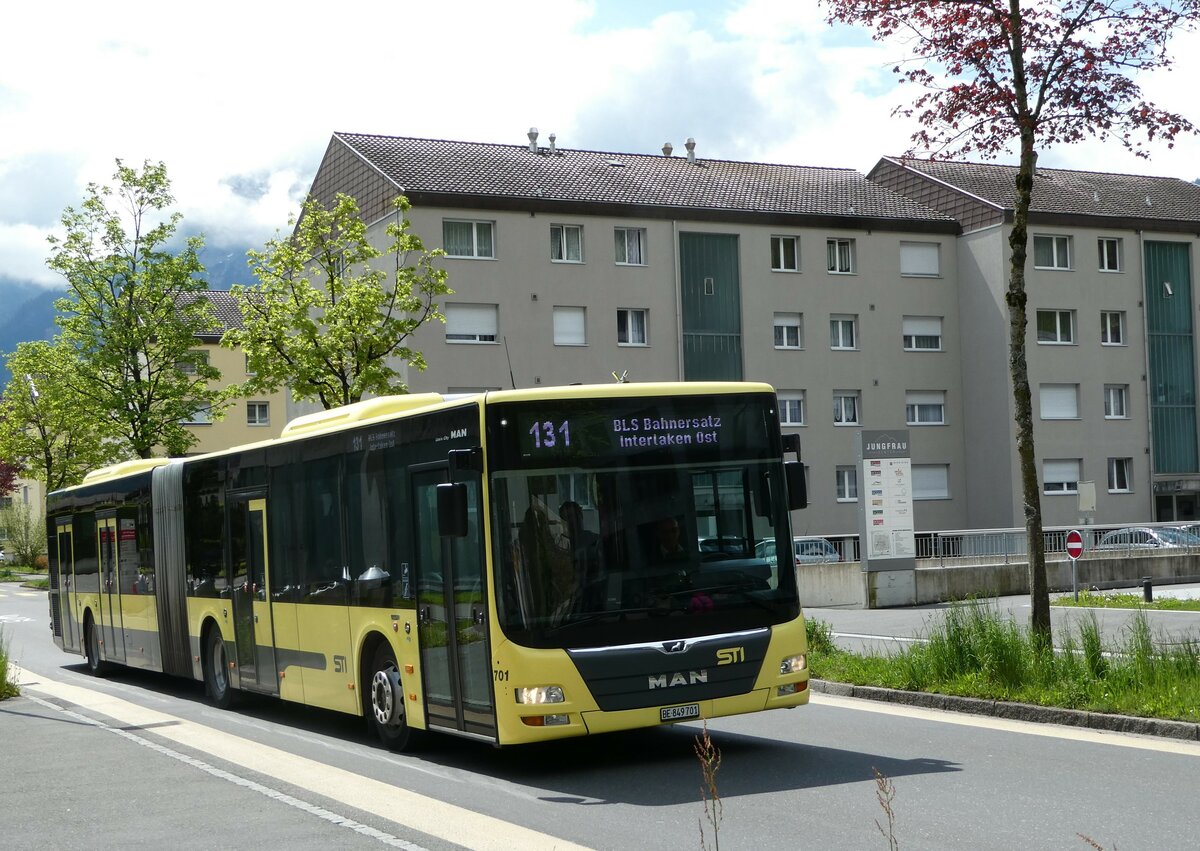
column 452, row 509
column 797, row 488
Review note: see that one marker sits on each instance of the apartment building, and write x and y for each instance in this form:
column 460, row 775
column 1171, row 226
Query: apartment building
column 1111, row 338
column 575, row 266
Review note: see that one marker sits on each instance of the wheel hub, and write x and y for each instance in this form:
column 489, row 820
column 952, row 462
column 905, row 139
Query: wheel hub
column 386, row 699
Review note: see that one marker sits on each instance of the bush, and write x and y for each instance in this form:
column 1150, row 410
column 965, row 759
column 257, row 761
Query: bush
column 42, row 562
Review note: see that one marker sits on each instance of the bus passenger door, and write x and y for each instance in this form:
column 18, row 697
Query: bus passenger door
column 253, row 633
column 112, row 631
column 452, row 612
column 64, row 601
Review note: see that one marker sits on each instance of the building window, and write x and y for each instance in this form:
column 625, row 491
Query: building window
column 471, row 323
column 1110, row 254
column 788, row 331
column 785, row 253
column 631, row 327
column 1059, row 401
column 258, row 413
column 1112, row 327
column 791, row 407
column 1119, row 475
column 566, row 243
column 1056, row 326
column 631, row 246
column 1060, row 476
column 845, row 407
column 930, row 481
column 840, row 256
column 194, row 358
column 925, row 407
column 468, row 239
column 1115, row 396
column 919, row 259
column 570, row 326
column 249, row 371
column 846, row 484
column 842, row 332
column 201, row 416
column 1052, row 252
column 922, row 333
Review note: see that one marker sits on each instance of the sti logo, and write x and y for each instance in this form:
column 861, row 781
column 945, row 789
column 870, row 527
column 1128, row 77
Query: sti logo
column 731, row 655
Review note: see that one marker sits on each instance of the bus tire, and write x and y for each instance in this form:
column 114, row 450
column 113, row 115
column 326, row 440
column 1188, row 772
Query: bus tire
column 216, row 671
column 385, row 703
column 97, row 667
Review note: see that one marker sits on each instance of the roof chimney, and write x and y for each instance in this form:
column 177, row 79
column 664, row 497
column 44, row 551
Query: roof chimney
column 690, row 144
column 667, row 148
column 552, row 148
column 532, row 134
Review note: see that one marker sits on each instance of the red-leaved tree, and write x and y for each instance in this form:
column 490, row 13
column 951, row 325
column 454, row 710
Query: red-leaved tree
column 1002, row 74
column 8, row 476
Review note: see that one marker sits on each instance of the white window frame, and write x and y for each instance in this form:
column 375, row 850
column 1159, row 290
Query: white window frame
column 930, row 481
column 1120, row 475
column 560, row 244
column 793, row 322
column 1060, row 251
column 1110, row 261
column 839, row 256
column 629, row 313
column 1116, row 401
column 846, row 483
column 188, row 367
column 1059, row 338
column 778, row 259
column 476, row 251
column 920, row 260
column 1058, row 401
column 621, row 237
column 791, row 407
column 1060, row 476
column 847, row 408
column 258, row 405
column 921, row 405
column 915, row 330
column 1110, row 321
column 838, row 322
column 468, row 324
column 570, row 325
column 201, row 416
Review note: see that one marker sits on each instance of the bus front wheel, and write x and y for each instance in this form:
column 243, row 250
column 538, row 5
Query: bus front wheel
column 216, row 671
column 387, row 717
column 97, row 667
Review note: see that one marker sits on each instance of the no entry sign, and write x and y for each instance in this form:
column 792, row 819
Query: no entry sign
column 1074, row 544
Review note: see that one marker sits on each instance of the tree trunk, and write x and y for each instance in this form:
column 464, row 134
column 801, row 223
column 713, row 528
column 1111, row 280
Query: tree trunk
column 1023, row 408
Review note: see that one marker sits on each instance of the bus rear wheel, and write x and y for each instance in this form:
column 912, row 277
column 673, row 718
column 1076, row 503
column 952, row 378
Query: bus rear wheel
column 386, row 716
column 97, row 667
column 216, row 671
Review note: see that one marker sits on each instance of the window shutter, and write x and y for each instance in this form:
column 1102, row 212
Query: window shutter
column 1059, row 401
column 922, row 326
column 570, row 326
column 471, row 319
column 930, row 481
column 919, row 258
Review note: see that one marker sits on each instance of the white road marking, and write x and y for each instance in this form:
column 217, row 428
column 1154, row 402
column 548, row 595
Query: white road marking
column 419, row 812
column 1029, row 728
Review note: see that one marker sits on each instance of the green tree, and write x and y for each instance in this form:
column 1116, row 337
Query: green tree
column 324, row 318
column 49, row 430
column 26, row 533
column 133, row 309
column 998, row 73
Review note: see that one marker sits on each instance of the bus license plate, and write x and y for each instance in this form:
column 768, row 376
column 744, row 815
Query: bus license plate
column 679, row 713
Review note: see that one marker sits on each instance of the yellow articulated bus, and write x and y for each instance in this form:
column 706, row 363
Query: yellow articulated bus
column 512, row 566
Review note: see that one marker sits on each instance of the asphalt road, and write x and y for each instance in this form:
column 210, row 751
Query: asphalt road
column 140, row 760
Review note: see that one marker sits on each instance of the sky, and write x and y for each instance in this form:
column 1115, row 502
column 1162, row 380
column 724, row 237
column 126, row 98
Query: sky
column 240, row 99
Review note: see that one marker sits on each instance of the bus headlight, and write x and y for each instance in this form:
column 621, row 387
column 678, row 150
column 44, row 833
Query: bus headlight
column 794, row 664
column 540, row 694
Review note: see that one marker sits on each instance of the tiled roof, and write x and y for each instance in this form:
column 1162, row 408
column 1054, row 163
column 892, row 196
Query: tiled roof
column 224, row 307
column 1063, row 191
column 576, row 176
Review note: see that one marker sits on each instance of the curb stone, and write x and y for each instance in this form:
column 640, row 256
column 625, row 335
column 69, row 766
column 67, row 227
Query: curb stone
column 1016, row 711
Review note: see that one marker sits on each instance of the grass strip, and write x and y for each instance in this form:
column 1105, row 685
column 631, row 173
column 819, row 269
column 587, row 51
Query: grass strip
column 1094, row 600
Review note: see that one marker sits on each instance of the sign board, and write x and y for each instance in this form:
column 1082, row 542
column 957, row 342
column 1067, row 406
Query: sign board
column 885, row 494
column 1074, row 544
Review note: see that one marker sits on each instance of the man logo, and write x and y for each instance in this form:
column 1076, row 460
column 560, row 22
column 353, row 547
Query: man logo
column 731, row 655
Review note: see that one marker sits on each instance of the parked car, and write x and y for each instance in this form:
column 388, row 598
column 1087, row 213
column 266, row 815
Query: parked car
column 805, row 550
column 726, row 545
column 1147, row 537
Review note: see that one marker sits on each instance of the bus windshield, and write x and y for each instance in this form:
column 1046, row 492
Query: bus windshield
column 652, row 539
